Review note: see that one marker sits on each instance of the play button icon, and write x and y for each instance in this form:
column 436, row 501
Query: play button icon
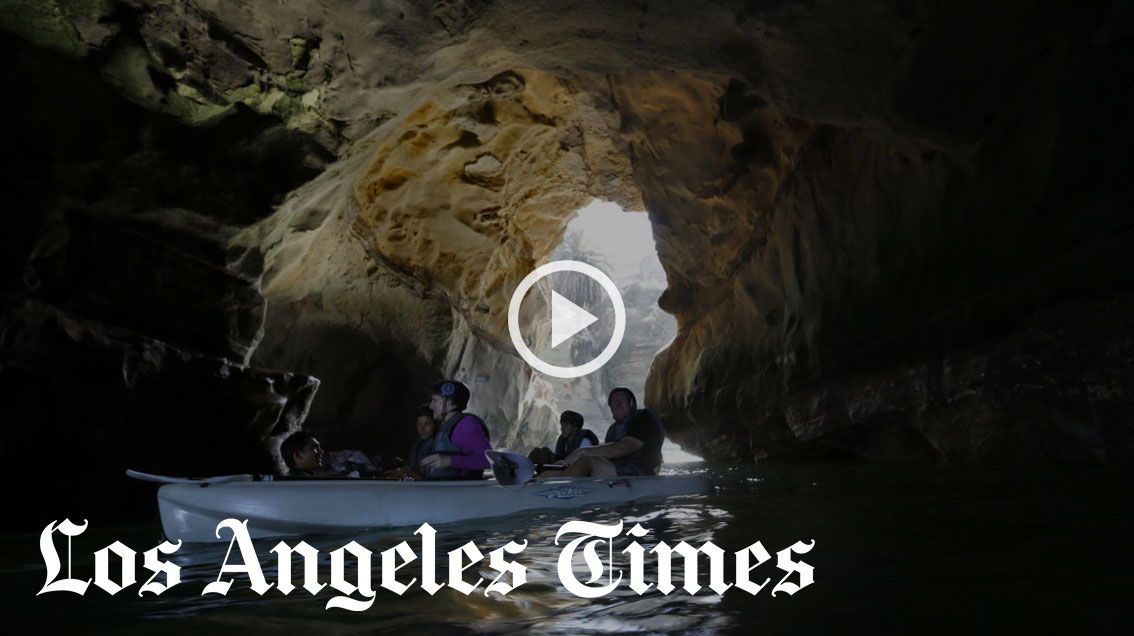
column 567, row 319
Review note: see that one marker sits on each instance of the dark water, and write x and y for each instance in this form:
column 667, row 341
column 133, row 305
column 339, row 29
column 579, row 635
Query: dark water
column 897, row 549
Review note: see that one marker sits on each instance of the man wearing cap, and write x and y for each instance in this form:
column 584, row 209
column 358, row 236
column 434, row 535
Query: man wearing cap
column 462, row 438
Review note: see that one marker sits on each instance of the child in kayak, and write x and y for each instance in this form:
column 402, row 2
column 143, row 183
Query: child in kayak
column 572, row 436
column 423, row 446
column 303, row 454
column 461, row 439
column 305, row 457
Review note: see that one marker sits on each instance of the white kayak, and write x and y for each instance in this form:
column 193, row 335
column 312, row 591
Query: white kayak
column 191, row 510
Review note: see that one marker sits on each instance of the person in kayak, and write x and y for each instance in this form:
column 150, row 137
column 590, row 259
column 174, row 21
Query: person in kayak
column 422, row 446
column 305, row 457
column 572, row 435
column 461, row 439
column 632, row 446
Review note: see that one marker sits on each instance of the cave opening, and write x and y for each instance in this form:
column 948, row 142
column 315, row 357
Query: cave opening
column 621, row 243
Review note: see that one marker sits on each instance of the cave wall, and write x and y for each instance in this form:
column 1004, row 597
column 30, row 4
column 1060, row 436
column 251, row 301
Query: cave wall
column 938, row 203
column 125, row 333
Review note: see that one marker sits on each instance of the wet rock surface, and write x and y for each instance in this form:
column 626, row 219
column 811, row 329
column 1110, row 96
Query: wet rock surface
column 861, row 209
column 1054, row 387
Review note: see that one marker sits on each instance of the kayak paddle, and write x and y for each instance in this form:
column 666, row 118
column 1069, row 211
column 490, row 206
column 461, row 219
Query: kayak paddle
column 204, row 481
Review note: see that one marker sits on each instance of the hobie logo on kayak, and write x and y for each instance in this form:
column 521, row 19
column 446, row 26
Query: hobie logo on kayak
column 351, row 572
column 563, row 492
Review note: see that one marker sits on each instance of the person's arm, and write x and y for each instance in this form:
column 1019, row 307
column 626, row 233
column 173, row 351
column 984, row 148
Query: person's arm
column 470, row 437
column 612, row 450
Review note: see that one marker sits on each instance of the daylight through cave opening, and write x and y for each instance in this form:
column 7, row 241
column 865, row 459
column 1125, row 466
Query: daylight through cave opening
column 621, row 244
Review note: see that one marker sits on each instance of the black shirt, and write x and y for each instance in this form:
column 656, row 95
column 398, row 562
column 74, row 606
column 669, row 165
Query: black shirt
column 645, row 427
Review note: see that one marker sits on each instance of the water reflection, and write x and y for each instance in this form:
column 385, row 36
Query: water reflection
column 540, row 603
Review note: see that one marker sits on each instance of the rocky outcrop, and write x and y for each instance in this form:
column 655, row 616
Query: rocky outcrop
column 84, row 400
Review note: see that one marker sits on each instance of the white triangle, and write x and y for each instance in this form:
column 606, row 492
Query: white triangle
column 567, row 319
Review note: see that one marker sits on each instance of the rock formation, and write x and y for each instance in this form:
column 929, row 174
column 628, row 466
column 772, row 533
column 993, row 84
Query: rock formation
column 865, row 211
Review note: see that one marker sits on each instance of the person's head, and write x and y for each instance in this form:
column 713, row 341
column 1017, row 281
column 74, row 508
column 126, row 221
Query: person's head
column 569, row 422
column 448, row 397
column 301, row 451
column 621, row 402
column 424, row 422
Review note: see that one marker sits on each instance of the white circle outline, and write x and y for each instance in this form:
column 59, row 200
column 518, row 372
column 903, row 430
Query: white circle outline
column 514, row 318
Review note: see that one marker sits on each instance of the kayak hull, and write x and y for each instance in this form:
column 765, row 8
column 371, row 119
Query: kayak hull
column 191, row 512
